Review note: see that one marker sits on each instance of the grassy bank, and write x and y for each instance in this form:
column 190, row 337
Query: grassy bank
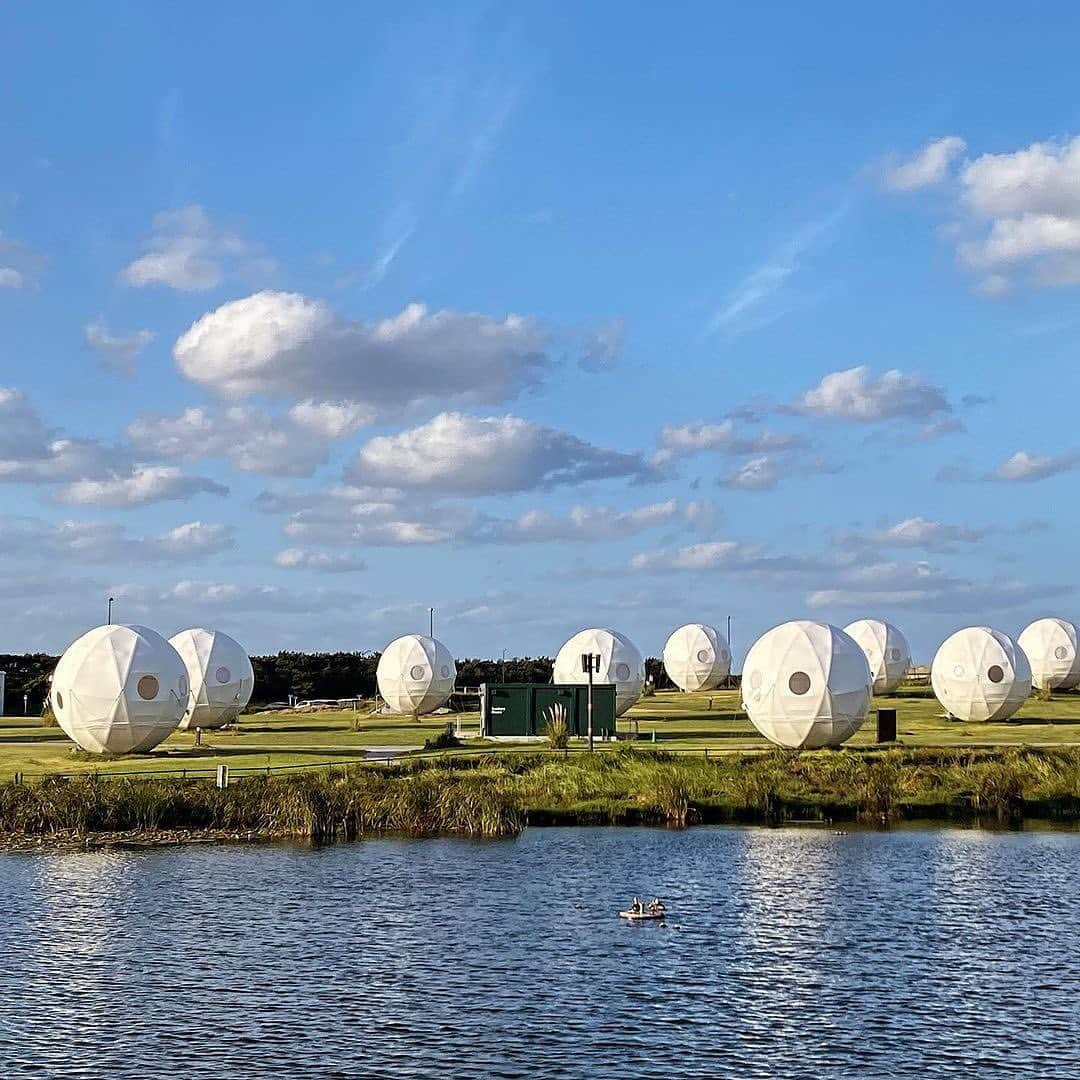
column 498, row 795
column 682, row 723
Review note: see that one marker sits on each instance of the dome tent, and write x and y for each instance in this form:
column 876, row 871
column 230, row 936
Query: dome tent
column 220, row 677
column 416, row 675
column 806, row 684
column 886, row 651
column 620, row 664
column 119, row 690
column 1051, row 648
column 696, row 657
column 980, row 674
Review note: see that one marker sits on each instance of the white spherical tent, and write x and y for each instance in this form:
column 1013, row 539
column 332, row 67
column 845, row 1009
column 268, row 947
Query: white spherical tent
column 696, row 657
column 980, row 674
column 119, row 690
column 806, row 684
column 416, row 674
column 220, row 677
column 620, row 664
column 886, row 651
column 1051, row 648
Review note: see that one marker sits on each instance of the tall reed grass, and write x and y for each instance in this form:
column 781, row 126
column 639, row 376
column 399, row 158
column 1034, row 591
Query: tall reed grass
column 495, row 795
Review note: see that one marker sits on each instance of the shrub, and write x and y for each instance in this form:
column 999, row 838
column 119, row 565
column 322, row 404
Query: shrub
column 558, row 734
column 445, row 740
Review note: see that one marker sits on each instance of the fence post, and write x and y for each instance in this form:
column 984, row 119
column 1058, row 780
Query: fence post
column 223, row 776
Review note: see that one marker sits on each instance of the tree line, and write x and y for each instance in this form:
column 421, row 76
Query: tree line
column 302, row 675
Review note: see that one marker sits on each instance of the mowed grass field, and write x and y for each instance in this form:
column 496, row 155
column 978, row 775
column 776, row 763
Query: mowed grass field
column 690, row 723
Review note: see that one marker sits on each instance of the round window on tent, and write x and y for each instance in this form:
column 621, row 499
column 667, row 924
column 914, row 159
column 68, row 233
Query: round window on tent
column 958, row 671
column 755, row 680
column 1061, row 652
column 799, row 682
column 59, row 700
column 445, row 671
column 995, row 674
column 622, row 672
column 223, row 674
column 703, row 656
column 417, row 671
column 895, row 655
column 148, row 687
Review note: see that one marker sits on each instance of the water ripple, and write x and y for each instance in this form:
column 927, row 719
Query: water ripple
column 944, row 953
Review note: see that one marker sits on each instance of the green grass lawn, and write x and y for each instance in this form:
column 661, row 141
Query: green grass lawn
column 680, row 722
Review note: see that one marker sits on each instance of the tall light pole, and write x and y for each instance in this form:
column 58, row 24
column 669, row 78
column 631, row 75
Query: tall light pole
column 590, row 663
column 431, row 622
column 502, row 669
column 110, row 610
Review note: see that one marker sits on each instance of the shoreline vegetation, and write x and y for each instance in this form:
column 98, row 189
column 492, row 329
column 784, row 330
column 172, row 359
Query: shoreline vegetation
column 682, row 759
column 499, row 794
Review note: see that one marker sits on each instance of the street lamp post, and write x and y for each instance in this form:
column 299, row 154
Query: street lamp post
column 431, row 622
column 502, row 667
column 590, row 663
column 110, row 610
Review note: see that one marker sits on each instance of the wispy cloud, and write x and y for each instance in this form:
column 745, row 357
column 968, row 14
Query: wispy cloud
column 454, row 114
column 385, row 257
column 746, row 306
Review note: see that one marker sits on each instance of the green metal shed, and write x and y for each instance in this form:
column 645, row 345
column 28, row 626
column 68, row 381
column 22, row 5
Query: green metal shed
column 523, row 710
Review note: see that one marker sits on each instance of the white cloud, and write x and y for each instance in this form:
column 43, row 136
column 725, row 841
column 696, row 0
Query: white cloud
column 189, row 252
column 1020, row 216
column 758, row 474
column 19, row 266
column 193, row 538
column 1015, row 240
column 937, row 429
column 1044, row 178
column 374, row 524
column 289, row 346
column 1027, row 467
column 928, row 167
column 603, row 345
column 248, row 438
column 681, row 440
column 914, row 532
column 587, row 523
column 853, row 394
column 189, row 599
column 107, row 542
column 927, row 589
column 117, row 353
column 31, row 452
column 23, row 434
column 63, row 460
column 710, row 555
column 322, row 561
column 144, row 484
column 348, row 515
column 331, row 419
column 458, row 454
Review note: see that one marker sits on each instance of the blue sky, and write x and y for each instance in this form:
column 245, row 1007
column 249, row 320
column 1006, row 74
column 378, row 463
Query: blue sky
column 544, row 316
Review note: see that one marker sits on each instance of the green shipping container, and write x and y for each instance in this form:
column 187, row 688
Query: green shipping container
column 523, row 710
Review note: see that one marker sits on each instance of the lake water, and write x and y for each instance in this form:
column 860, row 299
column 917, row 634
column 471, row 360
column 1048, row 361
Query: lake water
column 931, row 953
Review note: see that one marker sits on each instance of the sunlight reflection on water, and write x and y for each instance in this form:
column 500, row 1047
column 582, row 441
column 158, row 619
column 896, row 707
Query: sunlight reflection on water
column 799, row 953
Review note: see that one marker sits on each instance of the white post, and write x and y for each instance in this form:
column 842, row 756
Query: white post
column 223, row 776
